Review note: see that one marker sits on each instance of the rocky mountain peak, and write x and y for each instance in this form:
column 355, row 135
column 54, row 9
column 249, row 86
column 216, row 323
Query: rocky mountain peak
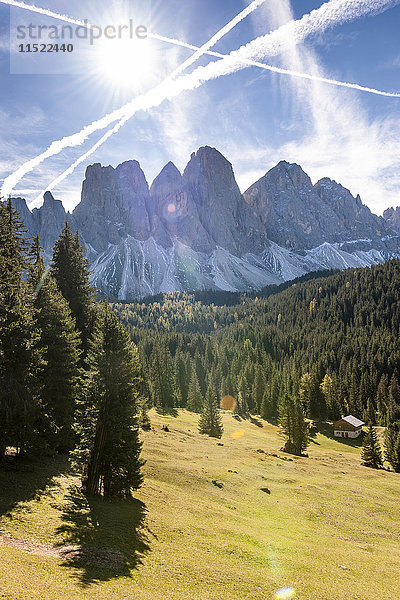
column 197, row 231
column 168, row 180
column 288, row 174
column 392, row 218
column 210, row 183
column 113, row 204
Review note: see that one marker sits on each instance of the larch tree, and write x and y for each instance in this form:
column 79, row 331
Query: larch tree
column 107, row 424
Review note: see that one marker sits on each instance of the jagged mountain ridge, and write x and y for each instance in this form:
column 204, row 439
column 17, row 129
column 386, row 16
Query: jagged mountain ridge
column 195, row 230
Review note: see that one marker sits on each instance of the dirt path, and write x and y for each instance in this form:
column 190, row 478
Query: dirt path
column 73, row 554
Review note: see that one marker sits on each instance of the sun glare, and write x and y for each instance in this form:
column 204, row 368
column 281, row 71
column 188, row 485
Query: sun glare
column 124, row 63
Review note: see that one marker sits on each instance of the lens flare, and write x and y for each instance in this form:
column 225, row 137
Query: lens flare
column 228, row 403
column 285, row 593
column 237, row 434
column 171, row 208
column 41, row 282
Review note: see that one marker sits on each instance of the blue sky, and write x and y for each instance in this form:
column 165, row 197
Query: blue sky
column 254, row 117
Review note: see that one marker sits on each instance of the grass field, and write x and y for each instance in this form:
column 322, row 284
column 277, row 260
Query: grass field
column 324, row 526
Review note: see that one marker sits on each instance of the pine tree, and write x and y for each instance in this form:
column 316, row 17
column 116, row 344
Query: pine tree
column 70, row 269
column 294, row 425
column 195, row 399
column 59, row 377
column 210, row 422
column 20, row 357
column 371, row 452
column 108, row 448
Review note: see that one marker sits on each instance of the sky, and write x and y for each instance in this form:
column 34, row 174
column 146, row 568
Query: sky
column 253, row 116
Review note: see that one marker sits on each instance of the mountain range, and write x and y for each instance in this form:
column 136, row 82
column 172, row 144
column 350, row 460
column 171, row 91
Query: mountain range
column 196, row 231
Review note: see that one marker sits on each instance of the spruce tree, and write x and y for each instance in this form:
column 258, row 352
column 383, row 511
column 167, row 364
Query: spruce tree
column 371, row 452
column 145, row 422
column 241, row 407
column 267, row 409
column 392, row 446
column 162, row 385
column 195, row 398
column 70, row 269
column 258, row 389
column 108, row 448
column 20, row 357
column 180, row 380
column 210, row 422
column 294, row 425
column 60, row 340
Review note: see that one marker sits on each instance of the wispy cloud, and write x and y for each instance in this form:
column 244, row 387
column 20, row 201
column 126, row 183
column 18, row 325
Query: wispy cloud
column 294, row 32
column 339, row 138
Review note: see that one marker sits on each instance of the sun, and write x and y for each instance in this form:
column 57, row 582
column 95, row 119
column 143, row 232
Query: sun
column 124, row 63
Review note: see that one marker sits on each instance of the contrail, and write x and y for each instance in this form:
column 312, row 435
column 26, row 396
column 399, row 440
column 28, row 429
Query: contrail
column 192, row 59
column 77, row 139
column 329, row 14
column 47, row 13
column 122, row 122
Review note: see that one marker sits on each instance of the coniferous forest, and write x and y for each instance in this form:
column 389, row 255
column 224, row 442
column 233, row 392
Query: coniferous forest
column 70, row 378
column 330, row 342
column 78, row 375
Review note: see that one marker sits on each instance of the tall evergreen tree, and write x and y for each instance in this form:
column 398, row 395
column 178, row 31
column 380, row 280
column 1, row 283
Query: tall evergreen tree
column 392, row 446
column 210, row 422
column 162, row 385
column 19, row 354
column 108, row 448
column 60, row 340
column 70, row 269
column 371, row 453
column 258, row 388
column 195, row 398
column 311, row 396
column 180, row 380
column 294, row 425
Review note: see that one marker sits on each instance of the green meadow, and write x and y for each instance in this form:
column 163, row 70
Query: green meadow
column 225, row 519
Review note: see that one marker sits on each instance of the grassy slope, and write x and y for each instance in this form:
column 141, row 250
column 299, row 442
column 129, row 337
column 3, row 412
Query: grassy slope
column 185, row 538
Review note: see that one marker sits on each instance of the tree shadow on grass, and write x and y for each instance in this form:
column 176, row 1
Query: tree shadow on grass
column 23, row 479
column 103, row 539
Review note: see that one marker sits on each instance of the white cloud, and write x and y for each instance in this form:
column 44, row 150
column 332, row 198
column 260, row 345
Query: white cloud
column 340, row 140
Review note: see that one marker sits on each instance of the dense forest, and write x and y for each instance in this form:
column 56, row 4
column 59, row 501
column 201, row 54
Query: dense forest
column 70, row 378
column 78, row 375
column 333, row 341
